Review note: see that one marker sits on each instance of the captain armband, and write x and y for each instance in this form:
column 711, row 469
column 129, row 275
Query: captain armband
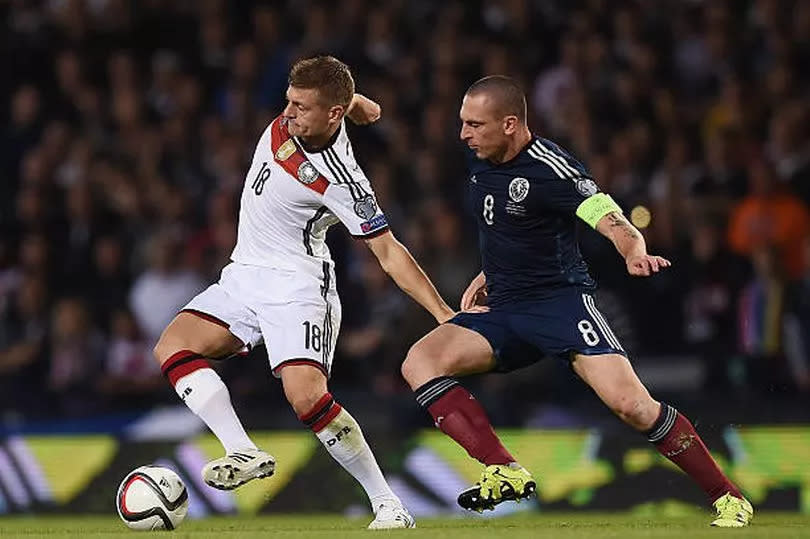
column 595, row 207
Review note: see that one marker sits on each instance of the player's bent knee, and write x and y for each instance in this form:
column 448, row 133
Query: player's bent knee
column 162, row 351
column 302, row 400
column 170, row 343
column 419, row 367
column 303, row 386
column 187, row 332
column 410, row 368
column 636, row 412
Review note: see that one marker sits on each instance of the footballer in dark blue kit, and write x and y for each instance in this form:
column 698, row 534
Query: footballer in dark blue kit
column 538, row 288
column 526, row 220
column 534, row 298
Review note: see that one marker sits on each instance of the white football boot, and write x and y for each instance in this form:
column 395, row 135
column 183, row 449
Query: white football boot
column 237, row 468
column 391, row 515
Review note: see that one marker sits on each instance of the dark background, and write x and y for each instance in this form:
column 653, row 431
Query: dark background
column 127, row 128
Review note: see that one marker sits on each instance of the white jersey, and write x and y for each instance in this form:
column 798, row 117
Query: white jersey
column 292, row 196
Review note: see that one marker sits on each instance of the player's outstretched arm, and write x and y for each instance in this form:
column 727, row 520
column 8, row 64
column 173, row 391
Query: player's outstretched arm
column 409, row 276
column 363, row 110
column 630, row 244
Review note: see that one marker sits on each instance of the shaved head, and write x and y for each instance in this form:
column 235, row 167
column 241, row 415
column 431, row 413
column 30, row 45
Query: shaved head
column 505, row 96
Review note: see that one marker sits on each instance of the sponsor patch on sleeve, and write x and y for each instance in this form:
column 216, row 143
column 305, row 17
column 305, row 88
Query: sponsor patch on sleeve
column 373, row 224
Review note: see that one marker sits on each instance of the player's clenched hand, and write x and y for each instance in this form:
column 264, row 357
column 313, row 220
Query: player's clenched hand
column 474, row 298
column 363, row 110
column 645, row 265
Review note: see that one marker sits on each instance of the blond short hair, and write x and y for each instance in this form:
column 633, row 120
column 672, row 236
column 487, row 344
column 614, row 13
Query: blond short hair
column 331, row 77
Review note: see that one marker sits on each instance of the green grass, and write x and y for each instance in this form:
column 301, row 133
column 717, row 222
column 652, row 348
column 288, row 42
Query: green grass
column 552, row 525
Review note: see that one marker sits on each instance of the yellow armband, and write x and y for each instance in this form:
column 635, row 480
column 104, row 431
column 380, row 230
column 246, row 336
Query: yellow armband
column 595, row 207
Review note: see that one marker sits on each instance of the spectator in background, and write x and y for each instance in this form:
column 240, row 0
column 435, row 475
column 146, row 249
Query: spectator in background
column 23, row 331
column 667, row 110
column 75, row 358
column 770, row 217
column 109, row 281
column 725, row 156
column 130, row 378
column 789, row 146
column 369, row 341
column 450, row 261
column 797, row 324
column 35, row 258
column 209, row 249
column 19, row 135
column 82, row 225
column 760, row 312
column 555, row 84
column 163, row 288
column 713, row 278
column 70, row 86
column 672, row 187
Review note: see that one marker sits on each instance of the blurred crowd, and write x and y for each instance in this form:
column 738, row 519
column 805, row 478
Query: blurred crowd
column 127, row 128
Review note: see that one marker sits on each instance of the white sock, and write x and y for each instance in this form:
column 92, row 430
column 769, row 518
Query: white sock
column 204, row 392
column 344, row 440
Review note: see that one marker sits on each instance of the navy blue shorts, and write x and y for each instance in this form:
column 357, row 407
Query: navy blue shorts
column 563, row 324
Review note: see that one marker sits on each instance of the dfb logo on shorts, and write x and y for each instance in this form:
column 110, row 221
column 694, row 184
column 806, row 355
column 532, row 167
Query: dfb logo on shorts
column 340, row 434
column 365, row 207
column 518, row 189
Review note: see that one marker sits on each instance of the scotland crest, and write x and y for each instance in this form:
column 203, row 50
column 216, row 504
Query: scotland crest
column 518, row 189
column 587, row 187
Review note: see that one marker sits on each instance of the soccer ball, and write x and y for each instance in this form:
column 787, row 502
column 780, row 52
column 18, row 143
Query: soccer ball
column 152, row 498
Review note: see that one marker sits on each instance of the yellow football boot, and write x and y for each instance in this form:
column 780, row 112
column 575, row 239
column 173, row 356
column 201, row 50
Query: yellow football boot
column 498, row 483
column 732, row 512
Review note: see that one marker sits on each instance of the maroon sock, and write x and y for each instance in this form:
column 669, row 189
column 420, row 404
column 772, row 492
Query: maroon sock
column 675, row 438
column 456, row 412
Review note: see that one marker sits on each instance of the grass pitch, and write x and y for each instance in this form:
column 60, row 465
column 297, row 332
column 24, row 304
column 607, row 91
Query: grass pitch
column 551, row 525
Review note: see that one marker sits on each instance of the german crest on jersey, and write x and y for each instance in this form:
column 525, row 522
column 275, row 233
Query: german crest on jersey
column 307, row 173
column 365, row 207
column 518, row 189
column 292, row 159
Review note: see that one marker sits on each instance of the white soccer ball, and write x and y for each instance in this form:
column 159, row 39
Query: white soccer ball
column 152, row 498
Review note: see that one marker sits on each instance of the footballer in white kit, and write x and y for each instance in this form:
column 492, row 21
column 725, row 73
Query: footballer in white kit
column 280, row 285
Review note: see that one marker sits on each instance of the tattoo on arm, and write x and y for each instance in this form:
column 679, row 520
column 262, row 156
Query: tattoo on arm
column 620, row 223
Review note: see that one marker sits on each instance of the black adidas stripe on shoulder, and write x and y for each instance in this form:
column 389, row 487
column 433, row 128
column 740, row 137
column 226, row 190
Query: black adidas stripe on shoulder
column 341, row 171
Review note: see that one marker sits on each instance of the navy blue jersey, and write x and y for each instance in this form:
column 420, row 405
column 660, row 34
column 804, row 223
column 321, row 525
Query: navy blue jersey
column 527, row 223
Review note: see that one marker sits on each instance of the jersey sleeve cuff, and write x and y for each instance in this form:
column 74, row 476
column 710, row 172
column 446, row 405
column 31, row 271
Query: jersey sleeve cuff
column 595, row 207
column 378, row 232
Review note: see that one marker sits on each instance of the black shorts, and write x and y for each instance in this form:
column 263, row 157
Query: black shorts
column 563, row 324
